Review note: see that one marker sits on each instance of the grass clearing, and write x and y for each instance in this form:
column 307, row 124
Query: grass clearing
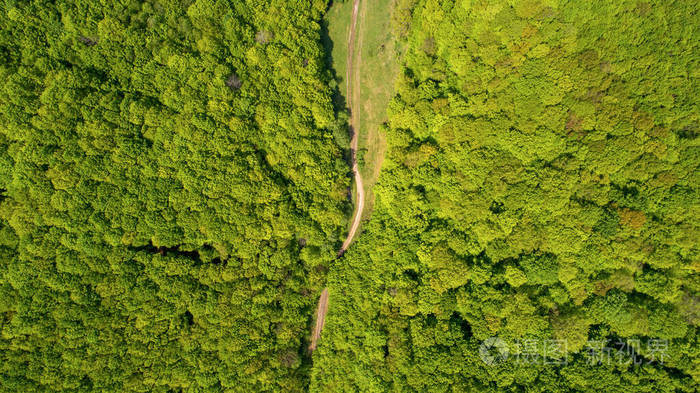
column 376, row 62
column 337, row 23
column 380, row 56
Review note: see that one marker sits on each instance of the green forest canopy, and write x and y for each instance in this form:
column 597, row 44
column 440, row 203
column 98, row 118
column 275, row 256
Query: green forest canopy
column 173, row 192
column 541, row 185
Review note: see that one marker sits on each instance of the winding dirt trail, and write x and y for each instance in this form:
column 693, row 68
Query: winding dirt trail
column 353, row 84
column 353, row 88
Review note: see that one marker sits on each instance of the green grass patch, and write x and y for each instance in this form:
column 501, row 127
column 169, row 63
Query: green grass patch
column 337, row 24
column 378, row 62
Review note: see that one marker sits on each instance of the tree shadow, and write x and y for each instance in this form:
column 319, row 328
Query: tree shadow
column 340, row 104
column 339, row 101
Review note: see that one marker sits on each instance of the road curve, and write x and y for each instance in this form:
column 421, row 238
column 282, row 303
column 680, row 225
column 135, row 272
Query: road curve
column 354, row 128
column 360, row 191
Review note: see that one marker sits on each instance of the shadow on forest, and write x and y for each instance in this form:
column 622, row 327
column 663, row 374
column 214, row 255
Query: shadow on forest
column 193, row 255
column 340, row 107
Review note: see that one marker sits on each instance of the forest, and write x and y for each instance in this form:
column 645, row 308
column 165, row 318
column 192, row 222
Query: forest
column 173, row 191
column 174, row 181
column 540, row 187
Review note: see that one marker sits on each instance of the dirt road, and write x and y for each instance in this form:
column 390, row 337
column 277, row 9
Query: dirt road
column 320, row 318
column 353, row 97
column 353, row 84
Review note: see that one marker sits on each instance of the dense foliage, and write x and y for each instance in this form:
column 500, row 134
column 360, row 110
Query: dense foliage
column 173, row 191
column 171, row 194
column 541, row 184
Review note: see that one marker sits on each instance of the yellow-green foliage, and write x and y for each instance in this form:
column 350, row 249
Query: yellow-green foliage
column 170, row 194
column 541, row 182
